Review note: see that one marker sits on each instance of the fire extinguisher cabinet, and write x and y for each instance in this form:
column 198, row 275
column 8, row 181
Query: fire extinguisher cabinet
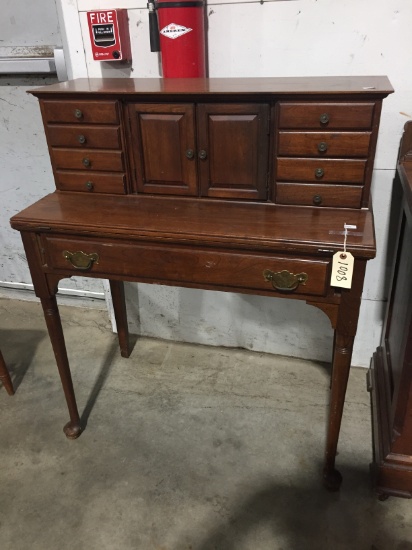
column 182, row 38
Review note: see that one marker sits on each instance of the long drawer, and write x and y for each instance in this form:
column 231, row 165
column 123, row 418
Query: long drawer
column 80, row 112
column 326, row 115
column 323, row 144
column 320, row 170
column 92, row 159
column 174, row 265
column 96, row 137
column 308, row 194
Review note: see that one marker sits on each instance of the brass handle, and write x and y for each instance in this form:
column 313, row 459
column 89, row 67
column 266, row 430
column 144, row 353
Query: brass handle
column 80, row 260
column 89, row 185
column 78, row 113
column 324, row 118
column 317, row 200
column 285, row 280
column 81, row 139
column 86, row 162
column 190, row 153
column 202, row 154
column 319, row 172
column 322, row 147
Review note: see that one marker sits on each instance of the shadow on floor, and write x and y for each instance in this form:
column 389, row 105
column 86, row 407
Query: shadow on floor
column 18, row 348
column 308, row 517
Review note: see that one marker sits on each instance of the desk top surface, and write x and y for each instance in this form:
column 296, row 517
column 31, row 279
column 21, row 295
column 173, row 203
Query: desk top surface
column 251, row 226
column 185, row 86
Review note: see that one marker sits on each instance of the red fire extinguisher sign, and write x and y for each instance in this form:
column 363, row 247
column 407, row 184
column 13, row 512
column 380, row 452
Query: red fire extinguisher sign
column 109, row 35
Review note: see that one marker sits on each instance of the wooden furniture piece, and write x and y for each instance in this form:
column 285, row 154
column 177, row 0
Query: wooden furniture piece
column 5, row 376
column 390, row 374
column 237, row 185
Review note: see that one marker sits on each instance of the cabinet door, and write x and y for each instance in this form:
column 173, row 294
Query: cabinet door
column 163, row 145
column 233, row 144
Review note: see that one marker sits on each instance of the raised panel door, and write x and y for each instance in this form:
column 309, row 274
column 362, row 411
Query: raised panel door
column 163, row 148
column 233, row 143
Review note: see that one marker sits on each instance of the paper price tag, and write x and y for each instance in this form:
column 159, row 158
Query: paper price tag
column 342, row 270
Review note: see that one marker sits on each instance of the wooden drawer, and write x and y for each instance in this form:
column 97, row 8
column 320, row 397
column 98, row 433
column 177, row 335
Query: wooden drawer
column 323, row 144
column 326, row 115
column 320, row 170
column 307, row 194
column 92, row 159
column 98, row 137
column 91, row 182
column 80, row 112
column 180, row 265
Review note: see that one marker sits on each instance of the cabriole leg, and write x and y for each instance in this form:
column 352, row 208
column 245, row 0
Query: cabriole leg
column 52, row 316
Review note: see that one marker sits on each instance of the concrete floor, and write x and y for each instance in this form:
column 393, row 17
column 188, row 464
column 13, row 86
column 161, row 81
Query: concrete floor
column 186, row 448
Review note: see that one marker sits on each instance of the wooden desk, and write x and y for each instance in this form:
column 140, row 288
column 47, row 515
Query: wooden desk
column 237, row 185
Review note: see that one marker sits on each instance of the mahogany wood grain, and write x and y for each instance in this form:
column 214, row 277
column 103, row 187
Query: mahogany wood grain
column 84, row 137
column 353, row 86
column 91, row 182
column 211, row 223
column 343, row 196
column 120, row 314
column 93, row 159
column 339, row 171
column 235, row 139
column 98, row 112
column 213, row 140
column 5, row 376
column 162, row 136
column 356, row 116
column 310, row 144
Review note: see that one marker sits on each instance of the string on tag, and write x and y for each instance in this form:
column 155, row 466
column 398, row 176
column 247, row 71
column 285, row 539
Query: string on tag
column 346, row 227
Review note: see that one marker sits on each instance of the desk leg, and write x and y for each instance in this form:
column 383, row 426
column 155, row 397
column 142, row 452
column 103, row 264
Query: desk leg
column 52, row 316
column 342, row 355
column 120, row 314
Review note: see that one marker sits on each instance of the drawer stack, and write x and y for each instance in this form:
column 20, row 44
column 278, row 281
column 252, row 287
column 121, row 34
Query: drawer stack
column 323, row 150
column 85, row 145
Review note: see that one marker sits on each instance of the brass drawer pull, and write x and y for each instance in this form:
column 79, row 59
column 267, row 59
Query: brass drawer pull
column 80, row 260
column 86, row 162
column 78, row 113
column 319, row 172
column 324, row 118
column 322, row 147
column 317, row 200
column 285, row 280
column 89, row 185
column 81, row 139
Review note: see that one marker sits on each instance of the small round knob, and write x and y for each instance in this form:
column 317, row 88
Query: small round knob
column 317, row 200
column 78, row 113
column 86, row 162
column 81, row 139
column 322, row 147
column 324, row 118
column 202, row 154
column 319, row 172
column 190, row 153
column 89, row 185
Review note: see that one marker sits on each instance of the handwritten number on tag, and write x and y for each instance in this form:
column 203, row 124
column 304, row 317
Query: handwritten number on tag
column 342, row 270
